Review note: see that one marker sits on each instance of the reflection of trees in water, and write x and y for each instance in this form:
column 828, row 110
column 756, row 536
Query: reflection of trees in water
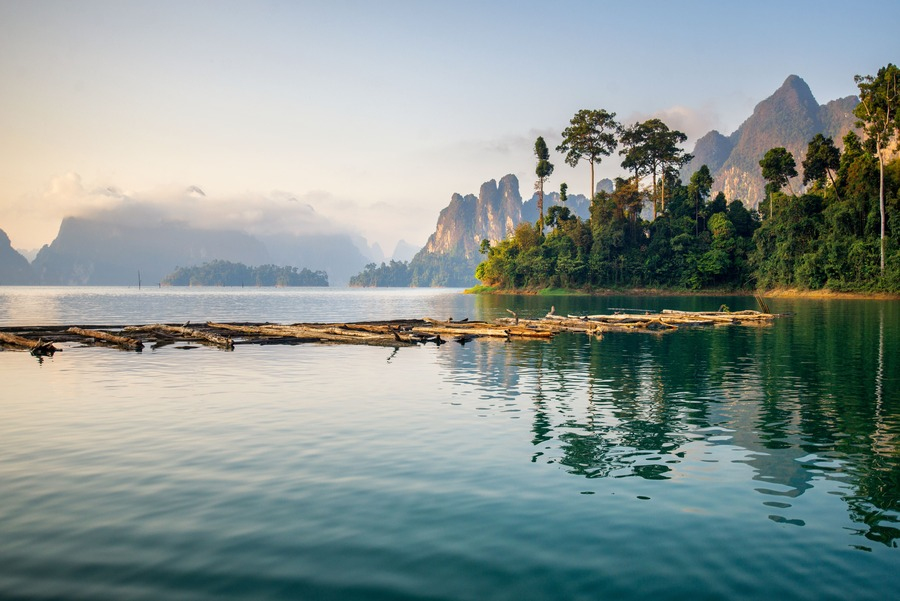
column 817, row 395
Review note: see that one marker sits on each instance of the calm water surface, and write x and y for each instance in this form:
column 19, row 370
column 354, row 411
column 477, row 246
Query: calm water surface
column 726, row 463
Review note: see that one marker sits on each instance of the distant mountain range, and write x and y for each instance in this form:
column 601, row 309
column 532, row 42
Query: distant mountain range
column 101, row 251
column 790, row 117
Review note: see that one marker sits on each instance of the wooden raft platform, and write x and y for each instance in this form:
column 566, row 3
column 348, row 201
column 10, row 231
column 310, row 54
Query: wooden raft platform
column 41, row 340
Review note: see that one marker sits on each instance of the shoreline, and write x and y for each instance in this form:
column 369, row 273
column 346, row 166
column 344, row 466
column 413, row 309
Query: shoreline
column 774, row 293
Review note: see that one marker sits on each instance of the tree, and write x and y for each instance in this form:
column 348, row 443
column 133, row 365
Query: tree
column 778, row 167
column 699, row 189
column 879, row 116
column 650, row 147
column 543, row 170
column 822, row 159
column 590, row 136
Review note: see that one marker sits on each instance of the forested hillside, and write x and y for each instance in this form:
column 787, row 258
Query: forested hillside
column 839, row 234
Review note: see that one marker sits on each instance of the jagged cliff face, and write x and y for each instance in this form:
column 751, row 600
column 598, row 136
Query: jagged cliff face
column 791, row 117
column 493, row 214
column 469, row 219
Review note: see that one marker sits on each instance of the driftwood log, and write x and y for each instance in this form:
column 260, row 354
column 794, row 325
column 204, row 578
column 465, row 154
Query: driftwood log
column 185, row 332
column 38, row 348
column 130, row 344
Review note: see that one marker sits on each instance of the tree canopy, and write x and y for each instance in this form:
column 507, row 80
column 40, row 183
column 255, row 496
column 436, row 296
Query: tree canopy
column 543, row 170
column 879, row 116
column 591, row 135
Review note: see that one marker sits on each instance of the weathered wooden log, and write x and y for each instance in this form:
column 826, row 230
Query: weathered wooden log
column 131, row 344
column 748, row 314
column 495, row 331
column 317, row 332
column 187, row 333
column 38, row 348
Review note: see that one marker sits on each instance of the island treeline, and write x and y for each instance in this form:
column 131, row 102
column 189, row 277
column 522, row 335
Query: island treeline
column 838, row 234
column 226, row 273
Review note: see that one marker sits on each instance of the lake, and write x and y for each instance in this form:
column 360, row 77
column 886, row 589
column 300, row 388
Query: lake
column 708, row 463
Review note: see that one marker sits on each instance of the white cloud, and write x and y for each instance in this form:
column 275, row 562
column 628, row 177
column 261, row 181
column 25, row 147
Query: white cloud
column 35, row 219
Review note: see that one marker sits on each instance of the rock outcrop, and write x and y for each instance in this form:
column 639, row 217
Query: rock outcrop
column 790, row 117
column 14, row 268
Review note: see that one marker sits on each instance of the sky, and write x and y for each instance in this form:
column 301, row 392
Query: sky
column 367, row 116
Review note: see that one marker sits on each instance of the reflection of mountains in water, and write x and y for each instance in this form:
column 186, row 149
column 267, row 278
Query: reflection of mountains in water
column 647, row 406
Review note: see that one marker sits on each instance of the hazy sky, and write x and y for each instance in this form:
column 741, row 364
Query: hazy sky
column 373, row 113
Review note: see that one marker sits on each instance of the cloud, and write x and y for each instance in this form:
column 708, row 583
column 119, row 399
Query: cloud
column 695, row 123
column 262, row 214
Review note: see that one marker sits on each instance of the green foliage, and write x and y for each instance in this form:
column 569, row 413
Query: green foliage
column 591, row 135
column 226, row 273
column 433, row 269
column 778, row 166
column 543, row 170
column 394, row 274
column 822, row 159
column 831, row 237
column 651, row 148
column 879, row 114
column 814, row 241
column 616, row 248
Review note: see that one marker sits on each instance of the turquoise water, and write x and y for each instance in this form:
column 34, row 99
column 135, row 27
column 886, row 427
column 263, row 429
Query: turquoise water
column 751, row 463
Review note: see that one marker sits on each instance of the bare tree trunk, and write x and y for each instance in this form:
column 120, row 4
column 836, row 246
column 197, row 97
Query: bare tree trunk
column 833, row 184
column 541, row 205
column 664, row 189
column 881, row 202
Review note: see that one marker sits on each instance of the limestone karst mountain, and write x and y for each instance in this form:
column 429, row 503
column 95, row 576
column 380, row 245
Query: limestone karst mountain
column 451, row 254
column 790, row 117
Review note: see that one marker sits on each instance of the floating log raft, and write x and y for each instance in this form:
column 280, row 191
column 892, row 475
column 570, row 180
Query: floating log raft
column 394, row 333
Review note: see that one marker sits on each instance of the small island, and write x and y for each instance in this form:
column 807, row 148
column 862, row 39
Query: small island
column 226, row 273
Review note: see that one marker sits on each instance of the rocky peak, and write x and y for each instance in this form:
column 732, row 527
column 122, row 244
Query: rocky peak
column 467, row 220
column 14, row 268
column 789, row 118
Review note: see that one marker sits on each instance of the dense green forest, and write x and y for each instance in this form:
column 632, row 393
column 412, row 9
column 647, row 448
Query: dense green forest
column 226, row 273
column 425, row 270
column 838, row 234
